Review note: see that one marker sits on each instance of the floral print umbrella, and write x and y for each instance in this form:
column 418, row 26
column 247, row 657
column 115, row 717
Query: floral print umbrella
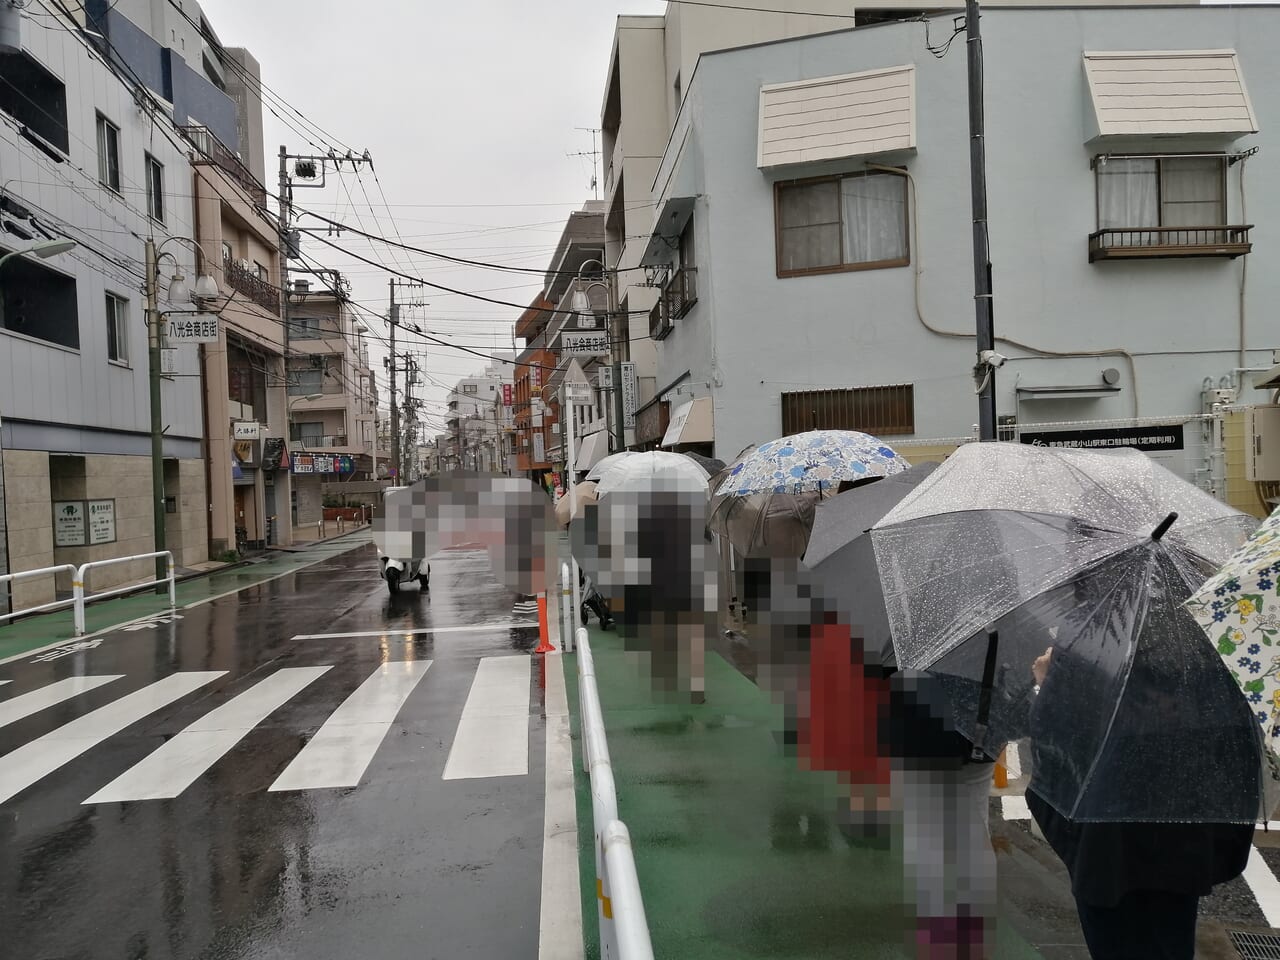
column 817, row 461
column 1239, row 608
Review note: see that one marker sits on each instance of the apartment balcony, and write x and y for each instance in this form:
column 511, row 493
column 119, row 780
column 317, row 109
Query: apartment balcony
column 314, row 442
column 247, row 283
column 1152, row 243
column 214, row 151
column 679, row 294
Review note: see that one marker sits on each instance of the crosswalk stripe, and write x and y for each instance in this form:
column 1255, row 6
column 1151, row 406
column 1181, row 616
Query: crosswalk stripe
column 48, row 696
column 493, row 734
column 35, row 760
column 1265, row 887
column 343, row 748
column 171, row 768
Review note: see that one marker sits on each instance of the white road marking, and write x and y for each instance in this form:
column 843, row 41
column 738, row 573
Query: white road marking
column 35, row 760
column 1265, row 887
column 171, row 768
column 560, row 917
column 1015, row 808
column 342, row 749
column 48, row 696
column 421, row 631
column 493, row 734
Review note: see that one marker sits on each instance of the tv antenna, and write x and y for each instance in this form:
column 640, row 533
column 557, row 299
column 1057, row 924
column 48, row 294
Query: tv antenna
column 594, row 154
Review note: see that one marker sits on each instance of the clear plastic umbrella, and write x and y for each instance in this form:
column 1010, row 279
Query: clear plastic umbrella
column 596, row 472
column 1007, row 550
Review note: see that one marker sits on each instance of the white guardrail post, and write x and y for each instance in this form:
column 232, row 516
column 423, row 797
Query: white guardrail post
column 80, row 582
column 567, row 631
column 31, row 575
column 624, row 930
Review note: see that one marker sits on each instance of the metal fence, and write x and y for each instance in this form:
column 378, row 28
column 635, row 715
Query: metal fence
column 624, row 930
column 80, row 595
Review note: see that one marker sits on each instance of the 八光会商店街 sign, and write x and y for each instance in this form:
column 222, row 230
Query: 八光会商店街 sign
column 200, row 328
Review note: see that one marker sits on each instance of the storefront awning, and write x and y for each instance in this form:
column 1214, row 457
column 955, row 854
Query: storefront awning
column 691, row 423
column 591, row 451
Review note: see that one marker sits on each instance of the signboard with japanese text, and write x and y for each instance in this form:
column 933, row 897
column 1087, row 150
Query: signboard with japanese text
column 506, row 394
column 589, row 344
column 199, row 328
column 605, row 374
column 535, row 377
column 629, row 395
column 169, row 360
column 69, row 524
column 1157, row 439
column 245, row 430
column 102, row 521
column 539, row 448
column 323, row 463
column 577, row 392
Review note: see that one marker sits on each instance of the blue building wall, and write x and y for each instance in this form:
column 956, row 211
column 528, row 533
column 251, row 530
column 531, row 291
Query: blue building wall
column 195, row 100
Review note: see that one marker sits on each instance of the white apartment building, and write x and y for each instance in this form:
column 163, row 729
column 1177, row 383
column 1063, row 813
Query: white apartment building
column 332, row 393
column 477, row 418
column 819, row 187
column 87, row 158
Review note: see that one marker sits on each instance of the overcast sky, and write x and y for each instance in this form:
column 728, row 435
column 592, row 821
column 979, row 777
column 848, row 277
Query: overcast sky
column 469, row 111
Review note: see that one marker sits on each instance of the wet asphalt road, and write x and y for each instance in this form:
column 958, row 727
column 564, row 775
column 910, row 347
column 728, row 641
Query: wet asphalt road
column 405, row 864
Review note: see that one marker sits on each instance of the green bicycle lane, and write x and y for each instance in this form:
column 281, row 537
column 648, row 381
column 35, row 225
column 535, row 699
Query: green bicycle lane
column 41, row 630
column 737, row 848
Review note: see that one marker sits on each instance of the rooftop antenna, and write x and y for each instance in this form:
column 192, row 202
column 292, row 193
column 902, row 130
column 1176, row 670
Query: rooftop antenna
column 594, row 154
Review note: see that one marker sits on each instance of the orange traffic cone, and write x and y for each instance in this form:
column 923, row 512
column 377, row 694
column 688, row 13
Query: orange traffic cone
column 544, row 639
column 1001, row 774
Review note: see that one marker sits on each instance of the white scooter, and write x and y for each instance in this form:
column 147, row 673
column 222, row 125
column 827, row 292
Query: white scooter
column 396, row 572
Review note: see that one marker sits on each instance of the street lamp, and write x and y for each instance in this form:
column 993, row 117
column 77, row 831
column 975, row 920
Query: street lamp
column 44, row 249
column 179, row 292
column 288, row 417
column 581, row 303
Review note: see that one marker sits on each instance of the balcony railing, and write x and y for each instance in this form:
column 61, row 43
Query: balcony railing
column 220, row 155
column 245, row 281
column 313, row 442
column 681, row 292
column 659, row 321
column 1147, row 243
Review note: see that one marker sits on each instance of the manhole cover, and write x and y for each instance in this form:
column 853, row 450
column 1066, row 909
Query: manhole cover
column 1256, row 946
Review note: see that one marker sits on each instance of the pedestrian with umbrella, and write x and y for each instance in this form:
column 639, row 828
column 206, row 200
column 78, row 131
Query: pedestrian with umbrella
column 1009, row 549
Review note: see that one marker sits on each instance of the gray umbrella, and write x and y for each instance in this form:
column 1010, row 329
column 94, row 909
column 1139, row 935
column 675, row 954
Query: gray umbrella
column 846, row 517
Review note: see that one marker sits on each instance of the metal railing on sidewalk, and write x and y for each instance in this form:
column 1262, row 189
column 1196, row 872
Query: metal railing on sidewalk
column 624, row 930
column 80, row 596
column 83, row 598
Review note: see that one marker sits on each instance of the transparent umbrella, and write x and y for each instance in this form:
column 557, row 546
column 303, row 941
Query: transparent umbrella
column 1007, row 550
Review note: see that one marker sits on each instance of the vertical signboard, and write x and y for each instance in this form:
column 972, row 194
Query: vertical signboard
column 506, row 394
column 629, row 391
column 539, row 448
column 102, row 521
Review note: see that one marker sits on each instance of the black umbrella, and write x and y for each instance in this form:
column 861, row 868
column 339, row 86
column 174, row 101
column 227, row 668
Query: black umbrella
column 709, row 464
column 842, row 519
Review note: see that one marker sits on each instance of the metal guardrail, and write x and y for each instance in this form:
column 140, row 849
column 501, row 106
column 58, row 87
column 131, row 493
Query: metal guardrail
column 80, row 596
column 9, row 578
column 624, row 930
column 83, row 598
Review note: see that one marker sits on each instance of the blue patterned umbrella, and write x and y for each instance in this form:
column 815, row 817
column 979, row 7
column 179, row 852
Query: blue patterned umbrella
column 817, row 461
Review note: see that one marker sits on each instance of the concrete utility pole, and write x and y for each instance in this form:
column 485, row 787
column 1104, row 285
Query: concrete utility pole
column 157, row 420
column 985, row 371
column 394, row 317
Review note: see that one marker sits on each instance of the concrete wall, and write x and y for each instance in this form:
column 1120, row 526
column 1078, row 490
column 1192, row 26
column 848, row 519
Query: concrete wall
column 753, row 336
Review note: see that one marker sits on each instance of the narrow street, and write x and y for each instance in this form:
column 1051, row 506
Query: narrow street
column 307, row 768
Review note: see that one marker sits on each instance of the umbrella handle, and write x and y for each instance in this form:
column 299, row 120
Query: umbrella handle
column 1158, row 534
column 984, row 698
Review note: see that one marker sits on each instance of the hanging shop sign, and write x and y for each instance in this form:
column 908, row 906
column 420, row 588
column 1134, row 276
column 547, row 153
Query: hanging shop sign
column 245, row 430
column 629, row 395
column 1157, row 439
column 539, row 448
column 246, row 452
column 589, row 344
column 535, row 377
column 168, row 359
column 506, row 394
column 273, row 454
column 200, row 328
column 323, row 463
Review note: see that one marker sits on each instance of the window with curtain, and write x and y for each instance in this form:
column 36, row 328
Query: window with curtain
column 854, row 222
column 108, row 154
column 1147, row 192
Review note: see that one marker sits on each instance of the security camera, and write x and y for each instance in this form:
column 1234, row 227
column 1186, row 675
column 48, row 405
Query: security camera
column 992, row 359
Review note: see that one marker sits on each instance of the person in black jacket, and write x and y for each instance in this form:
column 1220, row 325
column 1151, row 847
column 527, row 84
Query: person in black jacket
column 1137, row 886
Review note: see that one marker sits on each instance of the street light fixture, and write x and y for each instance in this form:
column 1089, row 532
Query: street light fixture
column 581, row 303
column 206, row 289
column 289, row 413
column 44, row 249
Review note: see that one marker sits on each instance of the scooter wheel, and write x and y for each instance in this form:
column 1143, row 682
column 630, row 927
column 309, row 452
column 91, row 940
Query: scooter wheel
column 393, row 582
column 586, row 617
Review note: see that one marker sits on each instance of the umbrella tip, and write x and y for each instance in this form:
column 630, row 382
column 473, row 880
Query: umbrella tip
column 1158, row 534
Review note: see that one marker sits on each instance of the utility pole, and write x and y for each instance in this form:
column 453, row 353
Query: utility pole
column 985, row 371
column 395, row 407
column 157, row 420
column 621, row 327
